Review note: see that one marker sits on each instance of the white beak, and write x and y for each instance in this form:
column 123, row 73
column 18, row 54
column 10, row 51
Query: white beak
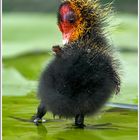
column 65, row 41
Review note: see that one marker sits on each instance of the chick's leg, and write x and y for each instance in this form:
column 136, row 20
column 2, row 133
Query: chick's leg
column 41, row 111
column 79, row 120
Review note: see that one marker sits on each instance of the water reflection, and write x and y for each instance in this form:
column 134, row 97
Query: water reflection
column 42, row 132
column 95, row 127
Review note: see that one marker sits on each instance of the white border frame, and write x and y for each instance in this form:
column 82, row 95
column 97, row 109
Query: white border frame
column 138, row 71
column 1, row 70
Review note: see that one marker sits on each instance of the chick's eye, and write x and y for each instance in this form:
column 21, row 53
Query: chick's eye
column 71, row 17
column 71, row 20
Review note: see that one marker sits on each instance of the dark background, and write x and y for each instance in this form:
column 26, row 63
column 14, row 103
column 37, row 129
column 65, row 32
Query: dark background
column 129, row 6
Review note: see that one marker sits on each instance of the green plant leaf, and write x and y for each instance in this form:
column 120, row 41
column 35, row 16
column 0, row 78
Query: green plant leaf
column 23, row 33
column 14, row 84
column 108, row 124
column 29, row 65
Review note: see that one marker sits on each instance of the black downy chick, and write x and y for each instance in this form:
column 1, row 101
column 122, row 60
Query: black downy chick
column 84, row 73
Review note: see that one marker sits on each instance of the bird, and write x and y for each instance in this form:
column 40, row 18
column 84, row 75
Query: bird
column 84, row 72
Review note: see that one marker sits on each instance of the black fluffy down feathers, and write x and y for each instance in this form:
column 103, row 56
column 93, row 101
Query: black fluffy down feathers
column 79, row 81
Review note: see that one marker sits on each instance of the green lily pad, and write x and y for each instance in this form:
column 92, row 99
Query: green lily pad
column 23, row 33
column 29, row 65
column 108, row 124
column 34, row 64
column 129, row 88
column 14, row 84
column 125, row 32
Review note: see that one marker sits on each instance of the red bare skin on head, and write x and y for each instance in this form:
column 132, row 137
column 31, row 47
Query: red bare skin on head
column 65, row 25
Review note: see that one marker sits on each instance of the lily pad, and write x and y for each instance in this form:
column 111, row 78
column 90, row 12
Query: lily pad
column 108, row 124
column 14, row 84
column 23, row 33
column 29, row 65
